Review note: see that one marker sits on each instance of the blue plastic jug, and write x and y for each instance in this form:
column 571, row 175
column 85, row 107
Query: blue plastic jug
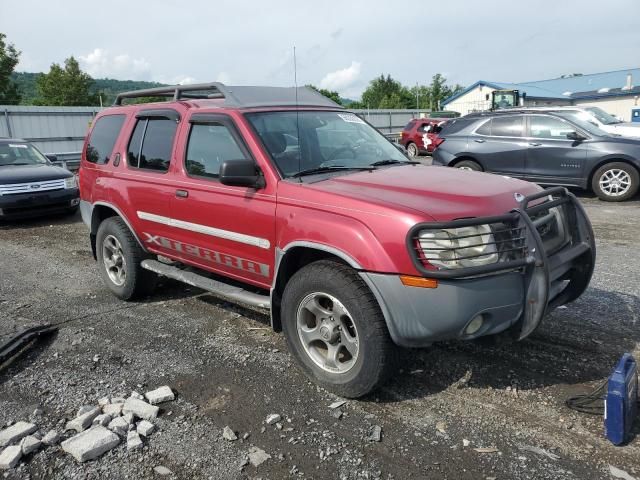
column 621, row 402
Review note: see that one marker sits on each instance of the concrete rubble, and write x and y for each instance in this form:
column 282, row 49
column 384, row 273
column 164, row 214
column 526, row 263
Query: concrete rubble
column 98, row 429
column 273, row 419
column 257, row 456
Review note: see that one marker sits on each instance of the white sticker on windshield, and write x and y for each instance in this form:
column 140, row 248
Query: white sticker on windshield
column 17, row 145
column 351, row 118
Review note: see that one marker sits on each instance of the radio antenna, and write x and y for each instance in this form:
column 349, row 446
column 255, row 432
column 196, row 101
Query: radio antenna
column 295, row 82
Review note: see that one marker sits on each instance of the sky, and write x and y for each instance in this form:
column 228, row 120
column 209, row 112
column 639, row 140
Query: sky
column 340, row 45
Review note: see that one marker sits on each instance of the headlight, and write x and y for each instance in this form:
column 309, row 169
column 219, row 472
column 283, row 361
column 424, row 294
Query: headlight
column 70, row 182
column 459, row 247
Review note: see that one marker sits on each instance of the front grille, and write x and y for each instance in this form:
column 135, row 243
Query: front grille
column 551, row 223
column 32, row 187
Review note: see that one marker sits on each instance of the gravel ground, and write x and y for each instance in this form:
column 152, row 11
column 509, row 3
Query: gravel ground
column 229, row 369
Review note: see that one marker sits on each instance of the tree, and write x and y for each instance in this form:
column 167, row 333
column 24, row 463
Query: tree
column 439, row 90
column 330, row 94
column 384, row 91
column 421, row 95
column 9, row 56
column 68, row 86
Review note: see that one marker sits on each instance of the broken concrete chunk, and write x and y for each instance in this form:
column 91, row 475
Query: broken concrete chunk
column 229, row 434
column 10, row 457
column 15, row 432
column 337, row 404
column 91, row 443
column 118, row 400
column 119, row 425
column 81, row 423
column 104, row 401
column 128, row 417
column 159, row 395
column 84, row 409
column 140, row 409
column 134, row 442
column 135, row 394
column 51, row 438
column 376, row 434
column 103, row 420
column 29, row 444
column 618, row 473
column 273, row 418
column 113, row 409
column 257, row 456
column 145, row 428
column 160, row 470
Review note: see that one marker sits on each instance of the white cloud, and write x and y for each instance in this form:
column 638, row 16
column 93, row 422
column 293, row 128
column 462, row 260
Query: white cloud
column 223, row 77
column 101, row 63
column 343, row 78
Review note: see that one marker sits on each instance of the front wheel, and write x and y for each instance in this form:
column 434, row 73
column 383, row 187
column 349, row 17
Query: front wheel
column 335, row 329
column 469, row 165
column 615, row 182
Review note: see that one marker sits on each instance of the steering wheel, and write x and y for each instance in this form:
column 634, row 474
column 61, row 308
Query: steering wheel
column 335, row 153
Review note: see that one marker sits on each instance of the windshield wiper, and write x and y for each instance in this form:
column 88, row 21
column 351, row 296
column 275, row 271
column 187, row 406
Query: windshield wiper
column 380, row 163
column 13, row 164
column 334, row 168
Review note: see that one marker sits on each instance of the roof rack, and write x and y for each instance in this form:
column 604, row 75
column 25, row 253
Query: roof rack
column 178, row 92
column 237, row 96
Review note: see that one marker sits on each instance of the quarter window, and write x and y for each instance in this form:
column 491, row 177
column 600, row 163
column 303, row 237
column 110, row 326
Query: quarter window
column 103, row 138
column 209, row 146
column 151, row 144
column 549, row 127
column 485, row 128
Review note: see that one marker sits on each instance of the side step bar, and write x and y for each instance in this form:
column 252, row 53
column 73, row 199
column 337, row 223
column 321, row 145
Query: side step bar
column 236, row 294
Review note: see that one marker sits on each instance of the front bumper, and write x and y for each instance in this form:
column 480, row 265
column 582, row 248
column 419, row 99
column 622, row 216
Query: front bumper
column 24, row 205
column 516, row 293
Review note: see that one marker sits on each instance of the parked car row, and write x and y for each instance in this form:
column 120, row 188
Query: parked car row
column 550, row 146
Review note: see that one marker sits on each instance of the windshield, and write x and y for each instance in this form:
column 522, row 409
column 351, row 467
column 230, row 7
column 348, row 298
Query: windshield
column 603, row 116
column 578, row 118
column 20, row 154
column 306, row 141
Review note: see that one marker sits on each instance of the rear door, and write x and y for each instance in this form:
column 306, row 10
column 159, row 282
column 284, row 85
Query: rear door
column 143, row 181
column 499, row 145
column 550, row 153
column 227, row 229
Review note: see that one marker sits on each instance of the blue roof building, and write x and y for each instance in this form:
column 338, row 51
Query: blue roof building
column 613, row 91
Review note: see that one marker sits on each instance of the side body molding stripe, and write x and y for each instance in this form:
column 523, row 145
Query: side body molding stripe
column 206, row 230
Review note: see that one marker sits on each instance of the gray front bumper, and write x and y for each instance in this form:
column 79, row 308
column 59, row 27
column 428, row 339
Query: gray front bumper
column 417, row 316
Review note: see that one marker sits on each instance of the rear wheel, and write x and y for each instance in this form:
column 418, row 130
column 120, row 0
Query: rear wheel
column 615, row 182
column 468, row 165
column 412, row 149
column 335, row 329
column 119, row 258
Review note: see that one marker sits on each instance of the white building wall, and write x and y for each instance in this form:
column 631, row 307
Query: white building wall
column 618, row 106
column 479, row 99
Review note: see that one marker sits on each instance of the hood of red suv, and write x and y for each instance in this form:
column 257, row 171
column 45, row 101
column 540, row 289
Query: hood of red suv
column 443, row 193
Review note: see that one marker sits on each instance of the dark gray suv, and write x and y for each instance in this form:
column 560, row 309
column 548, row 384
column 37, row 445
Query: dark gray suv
column 546, row 147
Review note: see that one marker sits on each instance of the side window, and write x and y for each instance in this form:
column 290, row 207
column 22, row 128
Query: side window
column 409, row 125
column 549, row 127
column 103, row 138
column 151, row 144
column 208, row 147
column 485, row 128
column 506, row 127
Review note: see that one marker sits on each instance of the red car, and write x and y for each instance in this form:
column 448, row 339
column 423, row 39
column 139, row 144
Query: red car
column 284, row 201
column 419, row 135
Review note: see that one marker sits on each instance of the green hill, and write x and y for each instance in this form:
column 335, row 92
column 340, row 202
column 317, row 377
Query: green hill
column 108, row 88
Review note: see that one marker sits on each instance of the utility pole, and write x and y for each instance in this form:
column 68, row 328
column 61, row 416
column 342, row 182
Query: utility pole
column 417, row 96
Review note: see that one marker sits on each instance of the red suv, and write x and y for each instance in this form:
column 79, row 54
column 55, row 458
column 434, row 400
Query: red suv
column 420, row 135
column 282, row 200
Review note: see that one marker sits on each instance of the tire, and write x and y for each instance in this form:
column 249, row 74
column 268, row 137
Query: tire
column 337, row 289
column 615, row 182
column 115, row 239
column 412, row 150
column 468, row 165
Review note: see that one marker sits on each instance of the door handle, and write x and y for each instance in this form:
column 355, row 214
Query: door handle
column 479, row 140
column 182, row 193
column 534, row 144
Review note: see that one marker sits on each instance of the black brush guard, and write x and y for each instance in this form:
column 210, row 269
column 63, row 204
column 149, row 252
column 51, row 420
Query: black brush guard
column 553, row 274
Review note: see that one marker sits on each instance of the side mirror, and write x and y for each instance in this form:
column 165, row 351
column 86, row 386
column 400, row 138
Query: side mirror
column 241, row 173
column 575, row 136
column 52, row 158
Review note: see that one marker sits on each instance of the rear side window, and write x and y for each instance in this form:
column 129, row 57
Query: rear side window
column 409, row 125
column 506, row 127
column 456, row 125
column 151, row 144
column 209, row 146
column 485, row 128
column 103, row 138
